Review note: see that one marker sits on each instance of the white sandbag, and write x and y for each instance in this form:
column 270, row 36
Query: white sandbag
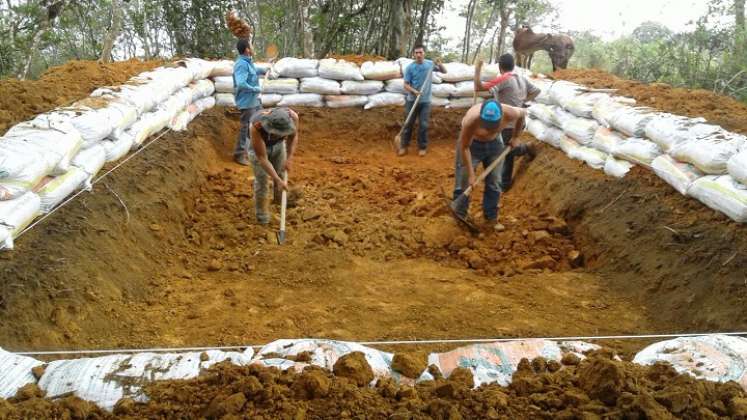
column 668, row 130
column 280, row 86
column 395, row 86
column 593, row 157
column 457, row 72
column 91, row 161
column 583, row 104
column 149, row 124
column 722, row 193
column 367, row 87
column 262, row 67
column 296, row 67
column 436, row 101
column 105, row 380
column 177, row 123
column 710, row 152
column 330, row 68
column 92, row 124
column 227, row 99
column 497, row 362
column 631, row 121
column 490, row 72
column 553, row 135
column 617, row 167
column 57, row 141
column 568, row 145
column 463, row 102
column 270, row 99
column 20, row 179
column 222, row 68
column 344, row 101
column 542, row 112
column 385, row 99
column 604, row 110
column 536, row 128
column 718, row 358
column 325, row 353
column 381, row 70
column 637, row 150
column 443, row 90
column 141, row 97
column 53, row 190
column 677, row 174
column 467, row 89
column 581, row 129
column 563, row 92
column 737, row 166
column 435, row 79
column 320, row 86
column 403, row 63
column 16, row 215
column 199, row 68
column 177, row 102
column 606, row 139
column 201, row 88
column 117, row 145
column 544, row 85
column 560, row 116
column 302, row 99
column 15, row 372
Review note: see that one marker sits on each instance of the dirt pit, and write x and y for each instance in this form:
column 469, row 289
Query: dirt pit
column 595, row 388
column 165, row 251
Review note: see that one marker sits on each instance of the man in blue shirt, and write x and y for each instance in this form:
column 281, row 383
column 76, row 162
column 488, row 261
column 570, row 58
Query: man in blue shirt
column 418, row 79
column 246, row 91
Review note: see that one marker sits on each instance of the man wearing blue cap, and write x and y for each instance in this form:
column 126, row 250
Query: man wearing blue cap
column 480, row 142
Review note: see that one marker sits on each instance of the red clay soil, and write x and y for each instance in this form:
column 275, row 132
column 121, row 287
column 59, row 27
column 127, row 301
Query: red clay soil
column 59, row 86
column 718, row 109
column 595, row 388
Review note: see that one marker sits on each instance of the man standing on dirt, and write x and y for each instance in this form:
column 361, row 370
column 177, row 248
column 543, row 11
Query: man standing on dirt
column 515, row 90
column 274, row 137
column 246, row 93
column 480, row 141
column 418, row 82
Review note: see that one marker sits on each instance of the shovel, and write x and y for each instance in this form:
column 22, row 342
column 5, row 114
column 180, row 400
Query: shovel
column 464, row 196
column 283, row 205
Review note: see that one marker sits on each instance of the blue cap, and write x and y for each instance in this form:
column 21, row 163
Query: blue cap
column 490, row 113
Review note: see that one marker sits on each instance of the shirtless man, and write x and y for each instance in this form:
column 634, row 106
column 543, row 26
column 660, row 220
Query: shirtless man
column 480, row 141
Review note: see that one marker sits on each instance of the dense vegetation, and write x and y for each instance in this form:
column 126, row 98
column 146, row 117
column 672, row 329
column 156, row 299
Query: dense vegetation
column 36, row 34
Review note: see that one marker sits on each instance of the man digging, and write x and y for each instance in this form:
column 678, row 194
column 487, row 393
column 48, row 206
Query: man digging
column 274, row 138
column 480, row 142
column 515, row 90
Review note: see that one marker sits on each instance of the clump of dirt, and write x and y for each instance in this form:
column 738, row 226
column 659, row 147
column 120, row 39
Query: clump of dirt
column 354, row 367
column 61, row 86
column 598, row 387
column 410, row 364
column 238, row 27
column 357, row 58
column 719, row 109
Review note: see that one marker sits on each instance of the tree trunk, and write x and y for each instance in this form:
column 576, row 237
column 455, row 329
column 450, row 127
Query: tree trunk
column 488, row 24
column 396, row 23
column 112, row 33
column 739, row 14
column 407, row 33
column 505, row 15
column 423, row 22
column 468, row 29
column 307, row 37
column 47, row 21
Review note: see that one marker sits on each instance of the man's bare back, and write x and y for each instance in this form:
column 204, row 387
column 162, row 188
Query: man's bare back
column 471, row 126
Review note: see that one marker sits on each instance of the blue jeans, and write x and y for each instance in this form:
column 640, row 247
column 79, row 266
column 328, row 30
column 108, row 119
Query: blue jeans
column 485, row 153
column 242, row 145
column 276, row 156
column 423, row 114
column 508, row 164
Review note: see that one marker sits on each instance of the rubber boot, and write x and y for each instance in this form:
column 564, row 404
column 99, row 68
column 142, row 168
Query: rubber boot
column 261, row 209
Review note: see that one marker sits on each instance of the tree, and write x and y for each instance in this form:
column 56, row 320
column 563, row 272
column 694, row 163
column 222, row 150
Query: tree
column 113, row 32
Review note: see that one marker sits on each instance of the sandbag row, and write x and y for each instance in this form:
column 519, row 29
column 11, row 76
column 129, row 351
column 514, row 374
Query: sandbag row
column 105, row 380
column 45, row 160
column 610, row 133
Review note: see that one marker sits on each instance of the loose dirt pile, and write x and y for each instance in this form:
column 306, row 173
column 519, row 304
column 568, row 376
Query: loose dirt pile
column 595, row 388
column 357, row 58
column 60, row 86
column 717, row 109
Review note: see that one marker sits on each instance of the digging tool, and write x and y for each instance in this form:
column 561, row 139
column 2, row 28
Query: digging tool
column 283, row 205
column 465, row 194
column 398, row 138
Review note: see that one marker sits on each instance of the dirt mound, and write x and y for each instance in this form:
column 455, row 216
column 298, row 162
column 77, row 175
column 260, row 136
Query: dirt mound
column 718, row 109
column 60, row 86
column 597, row 388
column 357, row 58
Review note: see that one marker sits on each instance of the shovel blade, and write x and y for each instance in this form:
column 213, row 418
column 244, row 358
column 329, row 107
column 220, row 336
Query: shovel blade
column 461, row 219
column 280, row 237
